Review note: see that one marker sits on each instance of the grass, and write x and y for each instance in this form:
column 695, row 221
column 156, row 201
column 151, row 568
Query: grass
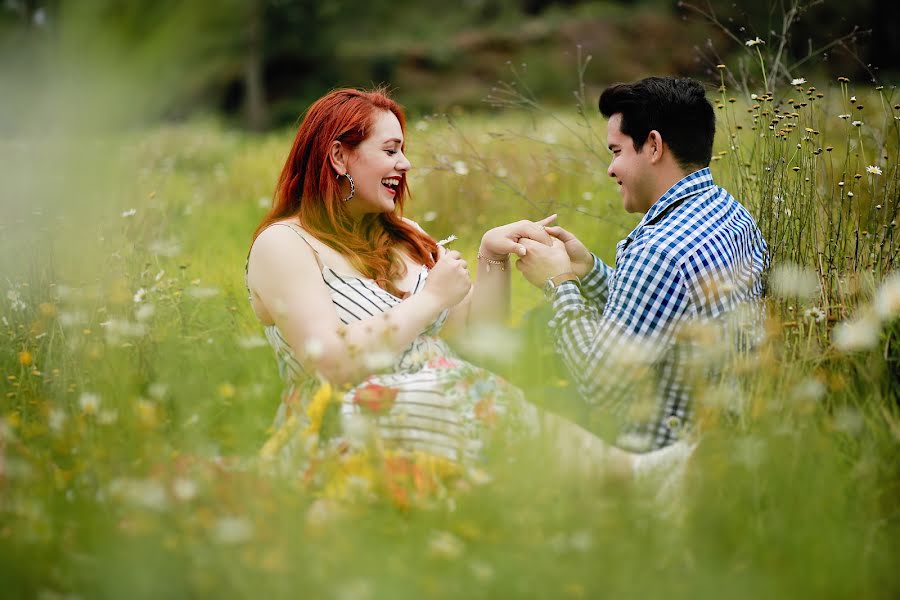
column 137, row 392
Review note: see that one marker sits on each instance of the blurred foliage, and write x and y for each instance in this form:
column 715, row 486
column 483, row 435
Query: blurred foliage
column 265, row 60
column 136, row 386
column 824, row 38
column 99, row 64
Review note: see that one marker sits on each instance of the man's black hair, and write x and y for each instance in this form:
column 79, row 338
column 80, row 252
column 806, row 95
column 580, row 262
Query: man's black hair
column 675, row 107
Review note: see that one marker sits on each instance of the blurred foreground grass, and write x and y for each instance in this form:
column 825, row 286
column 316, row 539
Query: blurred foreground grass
column 137, row 388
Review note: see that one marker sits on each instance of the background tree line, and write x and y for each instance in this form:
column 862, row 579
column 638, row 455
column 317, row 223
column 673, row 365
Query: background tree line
column 261, row 61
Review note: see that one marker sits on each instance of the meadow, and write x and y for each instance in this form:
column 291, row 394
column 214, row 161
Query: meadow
column 137, row 389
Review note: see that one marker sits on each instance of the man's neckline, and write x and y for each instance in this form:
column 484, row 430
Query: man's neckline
column 689, row 185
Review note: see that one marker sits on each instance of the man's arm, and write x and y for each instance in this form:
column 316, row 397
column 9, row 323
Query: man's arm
column 592, row 272
column 604, row 351
column 595, row 284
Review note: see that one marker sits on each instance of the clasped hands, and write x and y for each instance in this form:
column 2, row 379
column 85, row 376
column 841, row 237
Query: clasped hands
column 544, row 251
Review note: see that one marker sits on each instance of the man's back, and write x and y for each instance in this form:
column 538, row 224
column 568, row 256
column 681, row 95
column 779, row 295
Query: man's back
column 717, row 247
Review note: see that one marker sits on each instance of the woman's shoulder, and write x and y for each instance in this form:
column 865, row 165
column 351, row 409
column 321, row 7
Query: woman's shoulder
column 277, row 227
column 288, row 231
column 280, row 240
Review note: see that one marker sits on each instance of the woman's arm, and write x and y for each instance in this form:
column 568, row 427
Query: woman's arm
column 284, row 273
column 489, row 299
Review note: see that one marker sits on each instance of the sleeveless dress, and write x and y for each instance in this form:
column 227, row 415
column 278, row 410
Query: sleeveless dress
column 425, row 400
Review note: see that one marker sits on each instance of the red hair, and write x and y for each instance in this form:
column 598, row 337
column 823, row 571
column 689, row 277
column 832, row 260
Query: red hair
column 309, row 188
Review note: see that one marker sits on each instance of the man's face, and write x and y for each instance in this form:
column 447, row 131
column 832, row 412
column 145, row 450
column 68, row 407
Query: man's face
column 631, row 169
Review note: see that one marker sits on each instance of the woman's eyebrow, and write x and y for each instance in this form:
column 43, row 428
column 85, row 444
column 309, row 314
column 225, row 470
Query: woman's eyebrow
column 394, row 140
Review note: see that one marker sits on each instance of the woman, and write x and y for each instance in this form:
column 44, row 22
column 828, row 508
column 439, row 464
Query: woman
column 350, row 291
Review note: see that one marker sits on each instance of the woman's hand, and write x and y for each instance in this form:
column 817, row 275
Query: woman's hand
column 448, row 281
column 581, row 257
column 499, row 242
column 543, row 262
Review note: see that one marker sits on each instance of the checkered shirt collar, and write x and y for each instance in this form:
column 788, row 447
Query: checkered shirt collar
column 689, row 185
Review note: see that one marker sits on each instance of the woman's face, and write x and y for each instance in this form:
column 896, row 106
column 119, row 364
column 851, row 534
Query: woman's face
column 377, row 167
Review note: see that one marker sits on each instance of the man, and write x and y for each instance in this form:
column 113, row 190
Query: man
column 695, row 256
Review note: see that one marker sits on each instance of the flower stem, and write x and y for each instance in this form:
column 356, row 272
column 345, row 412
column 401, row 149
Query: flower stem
column 762, row 68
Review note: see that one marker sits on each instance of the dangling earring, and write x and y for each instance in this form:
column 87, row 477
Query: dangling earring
column 352, row 187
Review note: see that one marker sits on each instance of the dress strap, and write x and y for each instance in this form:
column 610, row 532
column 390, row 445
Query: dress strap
column 300, row 232
column 296, row 230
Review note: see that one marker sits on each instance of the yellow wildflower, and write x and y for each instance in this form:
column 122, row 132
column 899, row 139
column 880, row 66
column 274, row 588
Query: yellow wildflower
column 437, row 467
column 13, row 419
column 317, row 408
column 279, row 438
column 146, row 412
column 315, row 413
column 354, row 473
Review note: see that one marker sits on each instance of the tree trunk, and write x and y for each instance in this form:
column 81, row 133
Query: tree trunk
column 255, row 110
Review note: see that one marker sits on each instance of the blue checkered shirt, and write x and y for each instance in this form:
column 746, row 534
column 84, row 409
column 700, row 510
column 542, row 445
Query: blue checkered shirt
column 695, row 256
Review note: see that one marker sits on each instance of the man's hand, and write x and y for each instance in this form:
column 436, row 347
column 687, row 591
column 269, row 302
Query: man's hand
column 500, row 242
column 581, row 257
column 541, row 262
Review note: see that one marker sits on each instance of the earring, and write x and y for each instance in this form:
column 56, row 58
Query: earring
column 352, row 187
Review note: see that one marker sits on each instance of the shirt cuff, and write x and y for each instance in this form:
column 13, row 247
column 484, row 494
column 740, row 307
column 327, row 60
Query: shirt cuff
column 595, row 284
column 566, row 296
column 596, row 276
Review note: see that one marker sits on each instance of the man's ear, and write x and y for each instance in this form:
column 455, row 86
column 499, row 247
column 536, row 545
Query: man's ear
column 337, row 156
column 655, row 147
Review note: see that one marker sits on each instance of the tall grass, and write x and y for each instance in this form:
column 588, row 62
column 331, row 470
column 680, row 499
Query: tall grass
column 137, row 390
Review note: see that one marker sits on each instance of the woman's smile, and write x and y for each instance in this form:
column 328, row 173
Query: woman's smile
column 391, row 184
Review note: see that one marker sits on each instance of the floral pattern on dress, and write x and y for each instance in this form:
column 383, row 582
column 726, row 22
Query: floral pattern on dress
column 408, row 430
column 375, row 399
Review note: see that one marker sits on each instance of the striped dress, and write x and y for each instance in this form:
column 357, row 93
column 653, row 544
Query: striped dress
column 426, row 399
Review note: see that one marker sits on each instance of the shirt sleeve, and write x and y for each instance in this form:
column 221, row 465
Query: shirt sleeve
column 643, row 306
column 595, row 285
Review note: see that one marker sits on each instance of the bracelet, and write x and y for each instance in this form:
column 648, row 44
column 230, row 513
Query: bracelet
column 490, row 262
